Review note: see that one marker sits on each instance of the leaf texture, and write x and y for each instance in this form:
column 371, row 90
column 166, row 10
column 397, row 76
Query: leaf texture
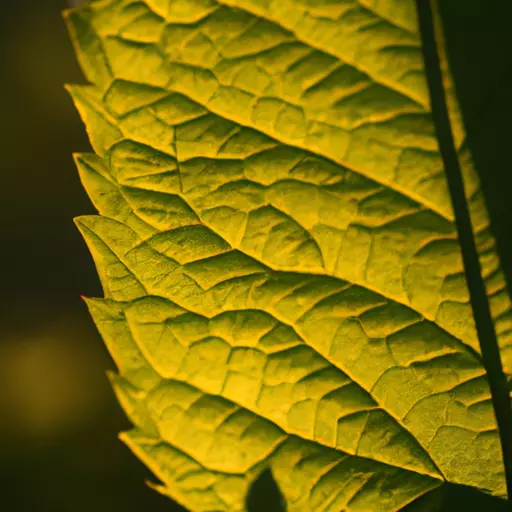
column 283, row 281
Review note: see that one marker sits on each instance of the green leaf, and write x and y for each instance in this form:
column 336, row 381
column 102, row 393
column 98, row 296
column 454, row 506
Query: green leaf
column 283, row 281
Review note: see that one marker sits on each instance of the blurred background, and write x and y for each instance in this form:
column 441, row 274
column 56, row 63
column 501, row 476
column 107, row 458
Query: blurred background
column 59, row 419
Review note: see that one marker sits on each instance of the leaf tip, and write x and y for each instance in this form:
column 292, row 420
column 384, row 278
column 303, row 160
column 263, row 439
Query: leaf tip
column 111, row 376
column 81, row 221
column 83, row 225
column 66, row 13
column 156, row 487
column 124, row 438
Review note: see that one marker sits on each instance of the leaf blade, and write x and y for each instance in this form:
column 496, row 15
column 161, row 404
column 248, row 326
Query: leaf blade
column 306, row 211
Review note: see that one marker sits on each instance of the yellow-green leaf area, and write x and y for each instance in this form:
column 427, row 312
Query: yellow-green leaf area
column 283, row 281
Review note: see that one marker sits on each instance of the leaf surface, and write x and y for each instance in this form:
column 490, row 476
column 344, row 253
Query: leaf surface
column 283, row 282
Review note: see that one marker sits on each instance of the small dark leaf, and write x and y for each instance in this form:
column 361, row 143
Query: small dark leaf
column 265, row 495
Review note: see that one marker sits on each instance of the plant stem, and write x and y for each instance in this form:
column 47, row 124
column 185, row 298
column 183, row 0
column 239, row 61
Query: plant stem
column 477, row 292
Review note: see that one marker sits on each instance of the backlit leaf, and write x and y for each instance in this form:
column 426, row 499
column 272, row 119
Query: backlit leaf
column 283, row 281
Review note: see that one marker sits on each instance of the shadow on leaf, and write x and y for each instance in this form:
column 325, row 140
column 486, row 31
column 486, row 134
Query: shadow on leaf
column 450, row 497
column 265, row 495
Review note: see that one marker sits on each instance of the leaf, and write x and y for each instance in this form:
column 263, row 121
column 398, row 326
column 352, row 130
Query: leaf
column 283, row 281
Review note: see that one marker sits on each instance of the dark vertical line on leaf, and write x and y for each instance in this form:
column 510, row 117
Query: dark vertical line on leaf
column 478, row 295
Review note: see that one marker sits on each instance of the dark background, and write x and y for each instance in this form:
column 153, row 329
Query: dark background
column 58, row 416
column 59, row 420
